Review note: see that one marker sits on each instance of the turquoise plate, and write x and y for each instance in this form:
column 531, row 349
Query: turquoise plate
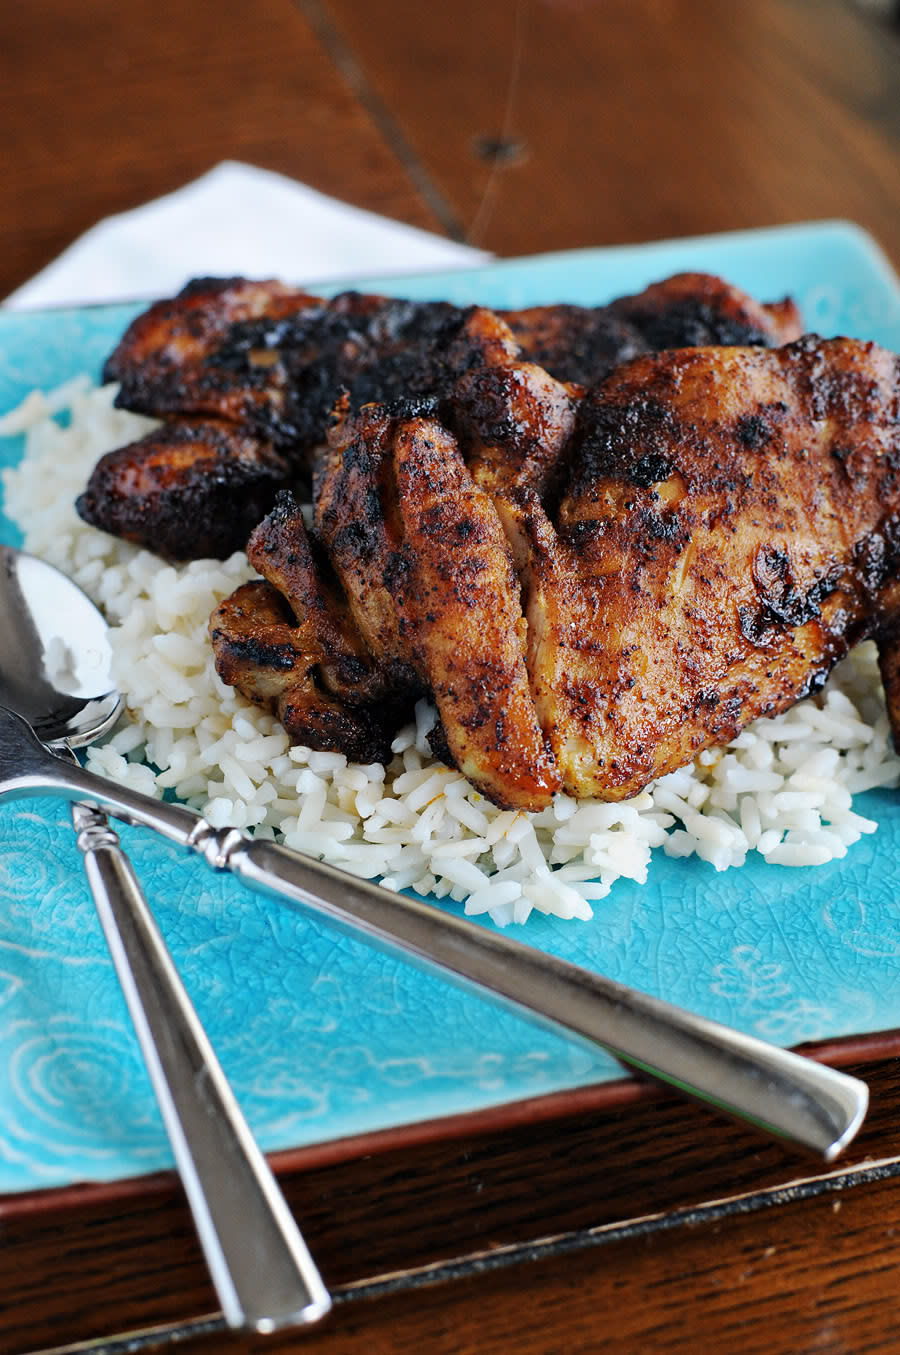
column 323, row 1037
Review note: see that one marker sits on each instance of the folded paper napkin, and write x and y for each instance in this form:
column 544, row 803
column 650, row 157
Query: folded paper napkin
column 236, row 219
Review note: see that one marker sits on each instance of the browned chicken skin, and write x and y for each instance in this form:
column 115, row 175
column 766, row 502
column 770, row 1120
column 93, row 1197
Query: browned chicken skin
column 461, row 594
column 194, row 488
column 726, row 536
column 289, row 643
column 729, row 527
column 269, row 362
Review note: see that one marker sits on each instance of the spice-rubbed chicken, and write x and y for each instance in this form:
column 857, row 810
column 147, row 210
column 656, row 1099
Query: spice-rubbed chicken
column 274, row 360
column 453, row 626
column 201, row 481
column 729, row 530
column 254, row 360
column 583, row 343
column 727, row 526
column 289, row 642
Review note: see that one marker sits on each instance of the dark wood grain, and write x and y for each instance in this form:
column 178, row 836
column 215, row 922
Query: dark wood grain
column 439, row 1216
column 638, row 120
column 809, row 1277
column 524, row 124
column 107, row 103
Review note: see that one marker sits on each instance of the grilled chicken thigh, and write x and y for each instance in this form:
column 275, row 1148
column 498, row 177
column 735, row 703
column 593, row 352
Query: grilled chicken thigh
column 729, row 526
column 583, row 343
column 726, row 536
column 462, row 597
column 273, row 359
column 692, row 310
column 269, row 362
column 196, row 488
column 602, row 539
column 288, row 642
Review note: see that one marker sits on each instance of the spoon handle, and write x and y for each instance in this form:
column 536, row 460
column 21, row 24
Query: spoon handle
column 793, row 1098
column 260, row 1266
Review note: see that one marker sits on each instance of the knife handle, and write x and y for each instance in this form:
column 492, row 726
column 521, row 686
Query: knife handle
column 260, row 1266
column 782, row 1094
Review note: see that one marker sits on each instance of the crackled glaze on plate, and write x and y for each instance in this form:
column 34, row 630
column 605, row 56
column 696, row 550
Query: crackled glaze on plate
column 324, row 1037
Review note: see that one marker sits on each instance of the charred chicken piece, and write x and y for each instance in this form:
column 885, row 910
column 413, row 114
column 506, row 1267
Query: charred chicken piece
column 583, row 343
column 289, row 560
column 729, row 528
column 261, row 650
column 462, row 596
column 694, row 310
column 209, row 352
column 274, row 359
column 513, row 418
column 269, row 361
column 288, row 643
column 186, row 490
column 728, row 532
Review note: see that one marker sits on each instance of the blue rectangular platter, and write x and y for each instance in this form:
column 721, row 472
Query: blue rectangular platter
column 324, row 1037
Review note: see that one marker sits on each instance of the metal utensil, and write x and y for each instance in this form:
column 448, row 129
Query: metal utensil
column 805, row 1103
column 55, row 672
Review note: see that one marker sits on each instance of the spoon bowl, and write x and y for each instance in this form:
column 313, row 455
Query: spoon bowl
column 56, row 668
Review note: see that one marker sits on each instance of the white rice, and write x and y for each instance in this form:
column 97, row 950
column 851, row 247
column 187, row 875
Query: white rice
column 783, row 788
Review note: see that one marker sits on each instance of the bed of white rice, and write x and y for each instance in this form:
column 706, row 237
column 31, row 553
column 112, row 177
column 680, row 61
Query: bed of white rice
column 783, row 788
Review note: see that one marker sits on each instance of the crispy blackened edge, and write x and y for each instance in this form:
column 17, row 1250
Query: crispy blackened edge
column 209, row 510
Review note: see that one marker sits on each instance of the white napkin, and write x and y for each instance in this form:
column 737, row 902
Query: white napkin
column 236, row 219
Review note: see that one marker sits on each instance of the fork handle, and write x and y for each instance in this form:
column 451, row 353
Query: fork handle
column 794, row 1098
column 261, row 1269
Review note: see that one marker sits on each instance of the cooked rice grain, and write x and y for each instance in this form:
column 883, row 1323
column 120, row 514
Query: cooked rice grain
column 783, row 788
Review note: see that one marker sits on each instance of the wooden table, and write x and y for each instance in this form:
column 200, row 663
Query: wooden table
column 519, row 127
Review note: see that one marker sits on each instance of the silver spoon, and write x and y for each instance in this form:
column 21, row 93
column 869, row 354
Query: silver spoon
column 782, row 1094
column 55, row 672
